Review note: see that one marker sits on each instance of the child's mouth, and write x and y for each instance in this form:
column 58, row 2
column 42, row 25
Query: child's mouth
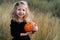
column 20, row 14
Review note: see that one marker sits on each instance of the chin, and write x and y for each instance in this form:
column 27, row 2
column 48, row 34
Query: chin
column 20, row 16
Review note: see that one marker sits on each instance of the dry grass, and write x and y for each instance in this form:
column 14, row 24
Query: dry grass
column 47, row 25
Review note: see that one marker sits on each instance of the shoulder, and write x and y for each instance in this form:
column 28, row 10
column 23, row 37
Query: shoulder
column 16, row 22
column 13, row 21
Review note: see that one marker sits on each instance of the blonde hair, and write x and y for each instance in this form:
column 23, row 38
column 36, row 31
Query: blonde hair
column 13, row 12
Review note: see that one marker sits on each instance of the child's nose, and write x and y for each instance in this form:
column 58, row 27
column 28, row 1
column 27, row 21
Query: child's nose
column 21, row 11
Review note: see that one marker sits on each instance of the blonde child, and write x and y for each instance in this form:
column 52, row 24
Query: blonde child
column 19, row 15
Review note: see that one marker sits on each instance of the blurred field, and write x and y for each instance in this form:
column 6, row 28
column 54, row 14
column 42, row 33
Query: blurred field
column 48, row 24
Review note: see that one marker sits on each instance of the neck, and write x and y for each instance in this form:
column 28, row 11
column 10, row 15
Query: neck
column 20, row 20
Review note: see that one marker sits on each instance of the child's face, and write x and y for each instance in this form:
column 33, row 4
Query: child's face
column 21, row 11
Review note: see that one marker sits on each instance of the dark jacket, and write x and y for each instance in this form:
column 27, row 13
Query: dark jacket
column 16, row 29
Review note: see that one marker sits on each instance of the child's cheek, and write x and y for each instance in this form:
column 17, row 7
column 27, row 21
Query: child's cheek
column 24, row 13
column 17, row 12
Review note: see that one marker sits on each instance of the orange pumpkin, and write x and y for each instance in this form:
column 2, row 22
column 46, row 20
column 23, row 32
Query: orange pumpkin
column 28, row 26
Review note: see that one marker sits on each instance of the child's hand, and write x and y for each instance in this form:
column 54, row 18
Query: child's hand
column 25, row 34
column 34, row 28
column 29, row 33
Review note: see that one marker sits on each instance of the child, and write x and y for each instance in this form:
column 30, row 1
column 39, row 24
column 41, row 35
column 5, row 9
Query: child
column 19, row 14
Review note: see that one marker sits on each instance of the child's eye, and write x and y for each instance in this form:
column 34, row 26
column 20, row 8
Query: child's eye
column 19, row 9
column 23, row 10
